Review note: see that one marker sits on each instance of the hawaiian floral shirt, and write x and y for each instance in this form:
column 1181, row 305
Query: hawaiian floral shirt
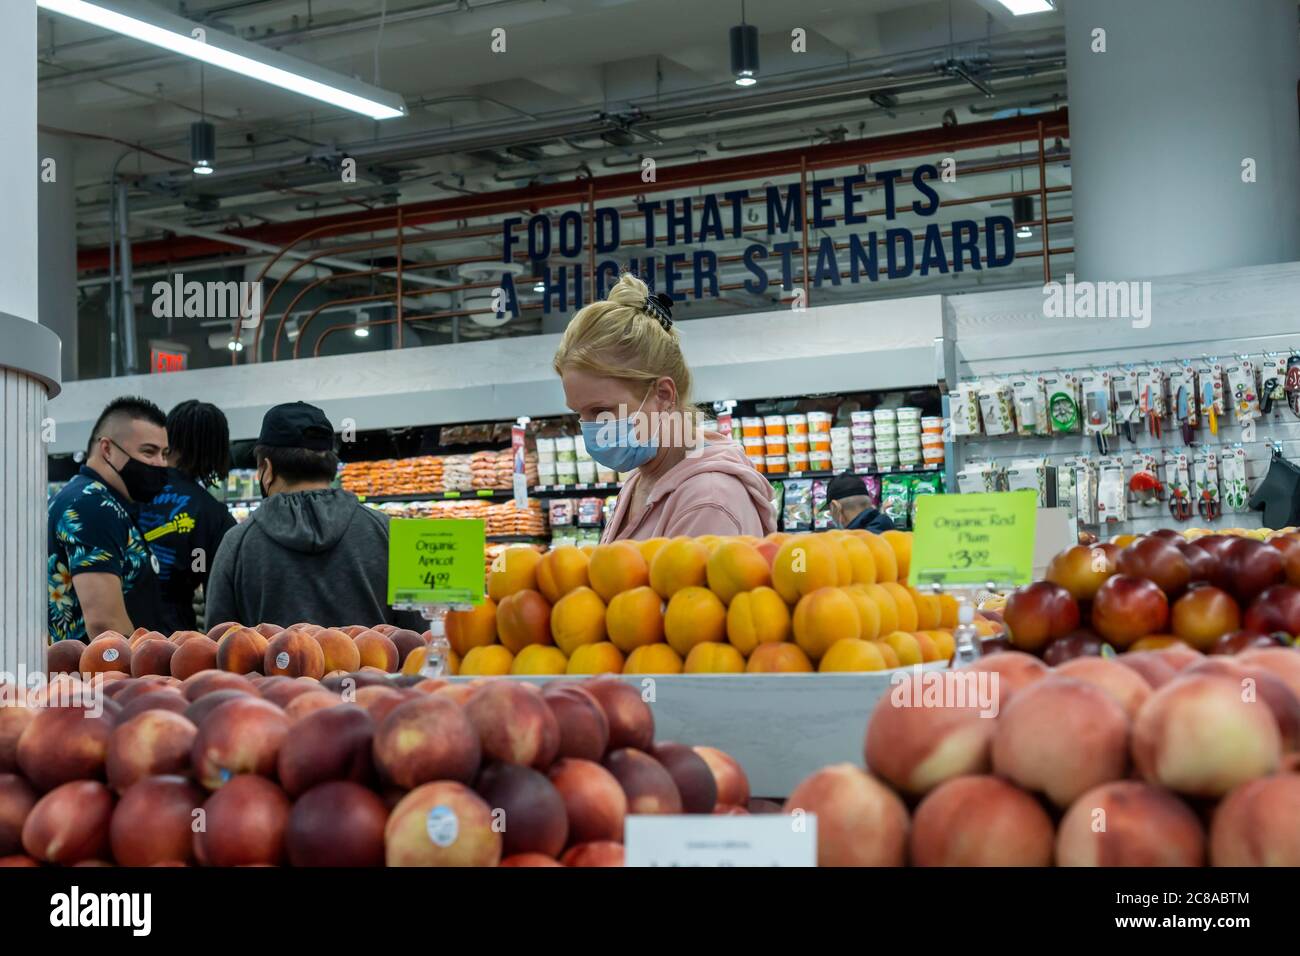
column 91, row 529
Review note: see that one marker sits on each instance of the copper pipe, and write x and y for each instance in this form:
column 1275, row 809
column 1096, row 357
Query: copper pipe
column 315, row 352
column 316, row 311
column 257, row 338
column 803, row 215
column 1042, row 199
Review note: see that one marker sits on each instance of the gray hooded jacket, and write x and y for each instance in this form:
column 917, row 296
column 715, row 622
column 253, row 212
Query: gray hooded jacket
column 317, row 556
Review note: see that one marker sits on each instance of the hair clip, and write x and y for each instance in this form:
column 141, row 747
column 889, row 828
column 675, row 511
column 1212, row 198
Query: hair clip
column 660, row 308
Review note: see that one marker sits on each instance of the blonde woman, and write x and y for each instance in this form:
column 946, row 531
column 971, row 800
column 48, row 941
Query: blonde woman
column 621, row 365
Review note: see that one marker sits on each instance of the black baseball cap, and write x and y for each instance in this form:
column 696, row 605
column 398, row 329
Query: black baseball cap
column 297, row 425
column 845, row 486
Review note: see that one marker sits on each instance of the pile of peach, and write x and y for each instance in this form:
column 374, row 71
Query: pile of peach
column 1216, row 593
column 358, row 771
column 300, row 650
column 828, row 602
column 1159, row 758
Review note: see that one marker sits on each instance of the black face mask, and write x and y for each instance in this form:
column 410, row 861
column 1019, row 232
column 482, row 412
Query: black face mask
column 144, row 482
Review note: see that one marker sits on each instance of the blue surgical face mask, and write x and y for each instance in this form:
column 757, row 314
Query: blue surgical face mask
column 613, row 442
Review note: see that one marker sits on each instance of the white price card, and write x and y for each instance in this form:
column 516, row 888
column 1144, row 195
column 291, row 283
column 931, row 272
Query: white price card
column 772, row 839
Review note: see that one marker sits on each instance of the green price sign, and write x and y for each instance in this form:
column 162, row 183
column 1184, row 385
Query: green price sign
column 973, row 539
column 435, row 561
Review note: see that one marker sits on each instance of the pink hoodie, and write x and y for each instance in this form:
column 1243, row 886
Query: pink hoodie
column 715, row 492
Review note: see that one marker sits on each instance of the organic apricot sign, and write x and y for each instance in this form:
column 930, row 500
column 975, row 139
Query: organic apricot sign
column 974, row 539
column 435, row 560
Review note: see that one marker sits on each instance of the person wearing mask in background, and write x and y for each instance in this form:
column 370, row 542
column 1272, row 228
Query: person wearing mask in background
column 851, row 507
column 621, row 365
column 102, row 575
column 184, row 524
column 309, row 552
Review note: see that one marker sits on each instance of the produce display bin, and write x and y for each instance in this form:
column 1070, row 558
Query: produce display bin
column 781, row 727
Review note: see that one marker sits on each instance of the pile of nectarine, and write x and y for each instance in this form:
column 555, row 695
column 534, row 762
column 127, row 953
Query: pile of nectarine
column 1217, row 593
column 1167, row 757
column 359, row 769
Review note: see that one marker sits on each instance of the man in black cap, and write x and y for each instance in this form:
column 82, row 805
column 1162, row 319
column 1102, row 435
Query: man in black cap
column 309, row 552
column 851, row 507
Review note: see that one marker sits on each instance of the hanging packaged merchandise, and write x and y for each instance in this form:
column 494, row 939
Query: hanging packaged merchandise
column 1062, row 390
column 923, row 485
column 1210, row 398
column 1243, row 390
column 996, row 408
column 1112, row 491
column 1291, row 385
column 1126, row 413
column 1182, row 400
column 1144, row 482
column 1272, row 388
column 975, row 478
column 778, row 501
column 1030, row 405
column 964, row 408
column 1232, row 478
column 1098, row 421
column 1205, row 485
column 1083, row 472
column 1033, row 474
column 798, row 506
column 1065, row 491
column 1151, row 399
column 1178, row 483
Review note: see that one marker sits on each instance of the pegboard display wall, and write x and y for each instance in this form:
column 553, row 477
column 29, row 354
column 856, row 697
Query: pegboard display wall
column 1209, row 340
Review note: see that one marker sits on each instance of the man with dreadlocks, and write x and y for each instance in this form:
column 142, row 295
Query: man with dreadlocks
column 184, row 524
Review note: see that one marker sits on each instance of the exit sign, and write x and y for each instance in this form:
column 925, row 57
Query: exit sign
column 162, row 360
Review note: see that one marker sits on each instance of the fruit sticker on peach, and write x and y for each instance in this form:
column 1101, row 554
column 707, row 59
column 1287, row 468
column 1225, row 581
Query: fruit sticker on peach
column 435, row 561
column 974, row 539
column 442, row 826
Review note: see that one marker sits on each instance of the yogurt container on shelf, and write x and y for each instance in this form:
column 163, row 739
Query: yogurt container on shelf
column 751, row 427
column 774, row 425
column 797, row 460
column 796, row 424
column 819, row 461
column 819, row 422
column 776, row 464
column 775, row 444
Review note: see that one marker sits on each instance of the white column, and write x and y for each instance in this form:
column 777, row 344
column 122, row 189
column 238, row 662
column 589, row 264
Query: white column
column 1161, row 123
column 57, row 246
column 29, row 358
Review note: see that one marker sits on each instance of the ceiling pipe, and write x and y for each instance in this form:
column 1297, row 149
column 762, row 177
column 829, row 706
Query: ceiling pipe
column 246, row 243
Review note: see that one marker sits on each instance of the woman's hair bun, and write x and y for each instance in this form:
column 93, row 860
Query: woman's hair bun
column 660, row 308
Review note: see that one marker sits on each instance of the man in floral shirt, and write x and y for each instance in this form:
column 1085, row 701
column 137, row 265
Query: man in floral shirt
column 102, row 575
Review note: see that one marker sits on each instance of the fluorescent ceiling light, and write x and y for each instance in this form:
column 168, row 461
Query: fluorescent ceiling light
column 175, row 34
column 1020, row 7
